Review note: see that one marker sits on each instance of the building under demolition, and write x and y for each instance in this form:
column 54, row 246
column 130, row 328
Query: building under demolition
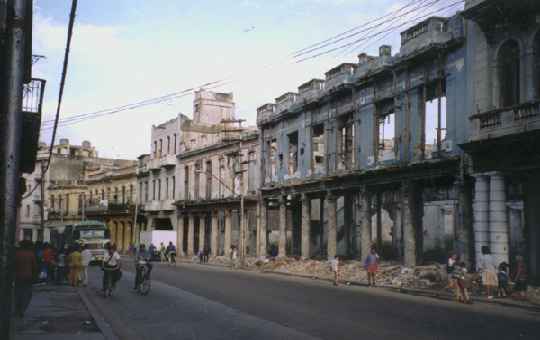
column 422, row 152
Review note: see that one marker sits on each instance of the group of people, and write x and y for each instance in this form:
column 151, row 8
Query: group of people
column 495, row 278
column 42, row 262
column 371, row 265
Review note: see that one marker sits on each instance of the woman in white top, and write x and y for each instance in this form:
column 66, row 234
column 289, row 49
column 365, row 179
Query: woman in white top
column 111, row 269
column 488, row 269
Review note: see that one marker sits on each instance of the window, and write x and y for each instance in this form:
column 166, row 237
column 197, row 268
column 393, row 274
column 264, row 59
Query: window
column 345, row 142
column 155, row 148
column 28, row 210
column 435, row 118
column 386, row 131
column 115, row 198
column 167, row 188
column 175, row 143
column 196, row 183
column 186, row 182
column 130, row 193
column 108, row 194
column 168, row 144
column 537, row 64
column 146, row 193
column 318, row 149
column 173, row 187
column 208, row 179
column 141, row 192
column 159, row 189
column 153, row 189
column 160, row 147
column 509, row 69
column 52, row 202
column 292, row 162
column 272, row 156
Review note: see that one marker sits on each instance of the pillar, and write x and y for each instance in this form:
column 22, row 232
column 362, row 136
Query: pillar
column 365, row 226
column 191, row 235
column 306, row 227
column 498, row 219
column 282, row 250
column 263, row 225
column 481, row 214
column 227, row 243
column 409, row 232
column 202, row 231
column 214, row 237
column 180, row 236
column 332, row 225
column 464, row 224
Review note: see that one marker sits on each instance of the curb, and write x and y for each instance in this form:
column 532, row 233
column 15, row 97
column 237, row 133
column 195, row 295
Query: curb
column 103, row 326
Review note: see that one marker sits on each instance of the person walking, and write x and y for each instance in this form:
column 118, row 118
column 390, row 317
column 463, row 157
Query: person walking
column 171, row 253
column 26, row 271
column 450, row 266
column 111, row 268
column 488, row 269
column 61, row 267
column 459, row 274
column 520, row 279
column 503, row 278
column 162, row 252
column 86, row 257
column 75, row 266
column 141, row 256
column 371, row 265
column 49, row 261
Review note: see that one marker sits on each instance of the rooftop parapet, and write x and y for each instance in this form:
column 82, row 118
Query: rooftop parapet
column 366, row 63
column 473, row 3
column 285, row 101
column 265, row 112
column 218, row 96
column 431, row 31
column 341, row 74
column 311, row 89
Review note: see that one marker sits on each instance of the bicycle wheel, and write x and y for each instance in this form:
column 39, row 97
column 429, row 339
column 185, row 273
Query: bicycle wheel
column 144, row 287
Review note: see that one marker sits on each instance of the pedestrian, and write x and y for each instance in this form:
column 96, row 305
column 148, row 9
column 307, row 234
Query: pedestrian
column 459, row 274
column 205, row 254
column 48, row 261
column 371, row 265
column 111, row 268
column 61, row 266
column 171, row 253
column 503, row 278
column 234, row 256
column 26, row 270
column 86, row 256
column 142, row 257
column 488, row 269
column 200, row 255
column 450, row 266
column 75, row 266
column 334, row 264
column 162, row 252
column 152, row 251
column 520, row 279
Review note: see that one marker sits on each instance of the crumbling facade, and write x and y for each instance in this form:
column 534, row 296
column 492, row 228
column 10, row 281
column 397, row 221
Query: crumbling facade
column 405, row 151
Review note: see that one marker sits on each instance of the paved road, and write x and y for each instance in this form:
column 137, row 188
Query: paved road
column 202, row 302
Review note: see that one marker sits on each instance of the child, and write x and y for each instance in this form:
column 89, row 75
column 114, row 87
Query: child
column 503, row 278
column 459, row 274
column 335, row 268
column 371, row 265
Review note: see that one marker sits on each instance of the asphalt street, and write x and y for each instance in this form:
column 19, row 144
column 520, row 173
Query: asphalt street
column 202, row 302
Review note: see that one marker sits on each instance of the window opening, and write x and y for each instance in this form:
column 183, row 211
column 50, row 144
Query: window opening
column 345, row 143
column 509, row 68
column 292, row 167
column 435, row 119
column 318, row 149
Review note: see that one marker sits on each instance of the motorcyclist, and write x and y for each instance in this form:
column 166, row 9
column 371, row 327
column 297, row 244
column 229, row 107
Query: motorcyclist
column 171, row 253
column 142, row 257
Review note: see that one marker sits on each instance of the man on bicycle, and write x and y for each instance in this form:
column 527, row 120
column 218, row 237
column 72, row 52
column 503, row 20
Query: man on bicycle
column 171, row 253
column 142, row 257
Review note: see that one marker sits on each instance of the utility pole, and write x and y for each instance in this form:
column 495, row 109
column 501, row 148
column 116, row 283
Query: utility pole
column 42, row 201
column 10, row 170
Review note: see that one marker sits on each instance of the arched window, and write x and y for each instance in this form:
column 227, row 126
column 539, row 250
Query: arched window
column 537, row 64
column 509, row 69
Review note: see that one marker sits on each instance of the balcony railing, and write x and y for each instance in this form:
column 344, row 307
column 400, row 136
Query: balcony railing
column 506, row 121
column 168, row 161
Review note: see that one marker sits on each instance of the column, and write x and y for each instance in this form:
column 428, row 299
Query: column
column 191, row 235
column 365, row 227
column 409, row 234
column 481, row 214
column 227, row 243
column 263, row 222
column 332, row 225
column 306, row 226
column 498, row 219
column 282, row 250
column 464, row 223
column 214, row 240
column 202, row 232
column 180, row 236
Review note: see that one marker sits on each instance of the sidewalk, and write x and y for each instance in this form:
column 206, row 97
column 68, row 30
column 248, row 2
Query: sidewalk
column 57, row 312
column 426, row 292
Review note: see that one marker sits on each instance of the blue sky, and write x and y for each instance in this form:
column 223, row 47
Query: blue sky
column 126, row 51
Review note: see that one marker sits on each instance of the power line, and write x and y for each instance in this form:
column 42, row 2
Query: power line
column 348, row 36
column 355, row 28
column 71, row 23
column 378, row 33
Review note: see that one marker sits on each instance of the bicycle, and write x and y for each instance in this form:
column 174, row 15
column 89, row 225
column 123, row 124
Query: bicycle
column 144, row 285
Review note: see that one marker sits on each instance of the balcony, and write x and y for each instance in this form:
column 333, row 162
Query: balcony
column 506, row 121
column 429, row 32
column 285, row 101
column 154, row 164
column 265, row 112
column 142, row 170
column 36, row 196
column 311, row 90
column 340, row 75
column 165, row 205
column 106, row 208
column 168, row 161
column 152, row 206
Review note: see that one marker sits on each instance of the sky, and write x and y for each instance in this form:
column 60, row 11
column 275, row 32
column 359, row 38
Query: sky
column 127, row 51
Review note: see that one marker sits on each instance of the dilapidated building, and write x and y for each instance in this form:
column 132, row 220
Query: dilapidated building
column 374, row 153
